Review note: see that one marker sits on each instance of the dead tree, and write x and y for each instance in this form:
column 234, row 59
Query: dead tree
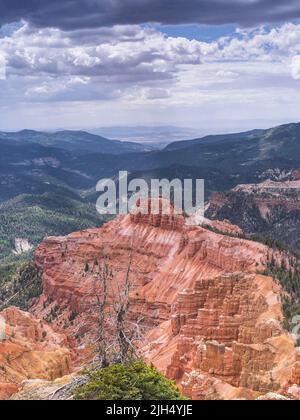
column 101, row 295
column 129, row 334
column 121, row 308
column 117, row 335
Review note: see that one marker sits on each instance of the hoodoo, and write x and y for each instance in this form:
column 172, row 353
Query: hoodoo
column 213, row 324
column 30, row 350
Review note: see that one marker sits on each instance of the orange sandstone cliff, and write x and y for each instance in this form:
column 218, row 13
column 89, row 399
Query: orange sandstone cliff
column 214, row 324
column 30, row 350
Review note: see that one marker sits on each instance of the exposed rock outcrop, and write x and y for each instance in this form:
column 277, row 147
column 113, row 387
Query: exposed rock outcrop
column 41, row 390
column 236, row 335
column 167, row 258
column 30, row 350
column 270, row 208
column 22, row 246
column 296, row 370
column 208, row 314
column 213, row 324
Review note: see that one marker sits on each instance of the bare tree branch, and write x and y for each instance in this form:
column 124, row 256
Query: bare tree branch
column 117, row 336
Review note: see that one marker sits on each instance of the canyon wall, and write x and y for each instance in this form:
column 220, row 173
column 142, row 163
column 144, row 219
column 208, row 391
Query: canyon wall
column 213, row 324
column 30, row 349
column 211, row 321
column 270, row 208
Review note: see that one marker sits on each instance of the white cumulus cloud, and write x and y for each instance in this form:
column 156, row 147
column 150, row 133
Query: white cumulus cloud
column 295, row 66
column 140, row 71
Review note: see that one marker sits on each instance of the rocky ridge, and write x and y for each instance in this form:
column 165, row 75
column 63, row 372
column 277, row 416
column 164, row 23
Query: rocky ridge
column 213, row 324
column 271, row 208
column 30, row 350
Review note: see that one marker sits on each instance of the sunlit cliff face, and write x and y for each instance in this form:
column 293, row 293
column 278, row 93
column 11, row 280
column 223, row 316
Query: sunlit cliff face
column 204, row 308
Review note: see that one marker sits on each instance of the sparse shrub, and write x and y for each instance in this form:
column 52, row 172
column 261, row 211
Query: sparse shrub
column 287, row 272
column 25, row 283
column 135, row 381
column 73, row 316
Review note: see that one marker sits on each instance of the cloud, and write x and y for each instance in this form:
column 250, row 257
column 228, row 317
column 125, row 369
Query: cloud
column 295, row 67
column 120, row 55
column 134, row 72
column 137, row 55
column 2, row 67
column 78, row 14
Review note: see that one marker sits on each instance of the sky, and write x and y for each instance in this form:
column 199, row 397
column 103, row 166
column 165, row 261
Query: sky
column 212, row 65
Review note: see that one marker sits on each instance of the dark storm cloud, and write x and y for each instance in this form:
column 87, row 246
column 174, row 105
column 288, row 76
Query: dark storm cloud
column 76, row 14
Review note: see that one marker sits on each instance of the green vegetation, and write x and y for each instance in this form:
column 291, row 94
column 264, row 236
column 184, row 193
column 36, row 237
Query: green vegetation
column 135, row 381
column 51, row 214
column 288, row 274
column 73, row 316
column 270, row 242
column 32, row 218
column 21, row 282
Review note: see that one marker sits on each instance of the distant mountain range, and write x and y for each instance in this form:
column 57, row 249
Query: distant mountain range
column 223, row 161
column 32, row 162
column 248, row 135
column 74, row 141
column 36, row 163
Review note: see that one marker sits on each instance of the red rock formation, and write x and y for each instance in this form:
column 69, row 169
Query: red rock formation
column 168, row 257
column 271, row 208
column 229, row 328
column 30, row 350
column 208, row 313
column 296, row 370
column 267, row 196
column 271, row 396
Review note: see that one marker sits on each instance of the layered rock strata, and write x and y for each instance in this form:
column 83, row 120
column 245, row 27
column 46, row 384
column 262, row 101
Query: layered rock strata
column 207, row 312
column 30, row 350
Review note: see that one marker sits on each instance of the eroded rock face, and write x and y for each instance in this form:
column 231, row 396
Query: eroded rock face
column 296, row 370
column 167, row 258
column 62, row 388
column 30, row 350
column 270, row 208
column 235, row 336
column 214, row 324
